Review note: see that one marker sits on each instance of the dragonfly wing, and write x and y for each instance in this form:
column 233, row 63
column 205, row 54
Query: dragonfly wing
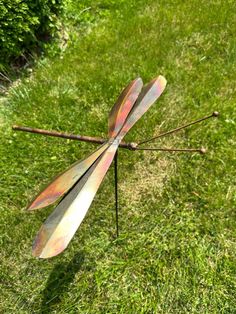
column 149, row 94
column 64, row 181
column 122, row 107
column 59, row 228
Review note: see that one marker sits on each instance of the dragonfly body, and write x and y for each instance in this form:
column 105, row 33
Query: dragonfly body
column 82, row 180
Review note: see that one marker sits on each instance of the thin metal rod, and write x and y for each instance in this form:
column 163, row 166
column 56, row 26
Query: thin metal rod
column 189, row 150
column 116, row 192
column 83, row 138
column 214, row 114
column 99, row 140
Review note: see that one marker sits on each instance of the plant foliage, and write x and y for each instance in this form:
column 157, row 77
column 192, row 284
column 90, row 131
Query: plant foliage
column 24, row 25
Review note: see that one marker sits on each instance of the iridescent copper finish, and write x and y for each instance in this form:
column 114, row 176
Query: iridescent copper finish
column 84, row 178
column 64, row 181
column 80, row 182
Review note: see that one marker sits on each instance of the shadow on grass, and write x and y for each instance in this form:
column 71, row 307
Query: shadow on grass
column 59, row 281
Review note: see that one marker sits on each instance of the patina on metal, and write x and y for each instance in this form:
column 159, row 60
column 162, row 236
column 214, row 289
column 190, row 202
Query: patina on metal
column 81, row 138
column 79, row 183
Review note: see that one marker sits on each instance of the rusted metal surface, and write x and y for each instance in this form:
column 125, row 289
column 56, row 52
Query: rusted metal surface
column 82, row 138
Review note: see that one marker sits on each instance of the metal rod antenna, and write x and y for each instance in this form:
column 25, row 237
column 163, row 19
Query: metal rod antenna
column 116, row 192
column 99, row 140
column 214, row 114
column 189, row 150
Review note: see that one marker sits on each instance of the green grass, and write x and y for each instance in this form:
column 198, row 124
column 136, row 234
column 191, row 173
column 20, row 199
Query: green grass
column 177, row 248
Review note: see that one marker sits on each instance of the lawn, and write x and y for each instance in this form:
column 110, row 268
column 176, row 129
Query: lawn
column 177, row 249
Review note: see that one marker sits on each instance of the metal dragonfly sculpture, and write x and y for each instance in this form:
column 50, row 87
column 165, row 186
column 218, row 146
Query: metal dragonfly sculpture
column 80, row 182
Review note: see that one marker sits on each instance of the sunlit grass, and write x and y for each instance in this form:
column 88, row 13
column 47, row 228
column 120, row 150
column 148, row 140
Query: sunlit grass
column 176, row 251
